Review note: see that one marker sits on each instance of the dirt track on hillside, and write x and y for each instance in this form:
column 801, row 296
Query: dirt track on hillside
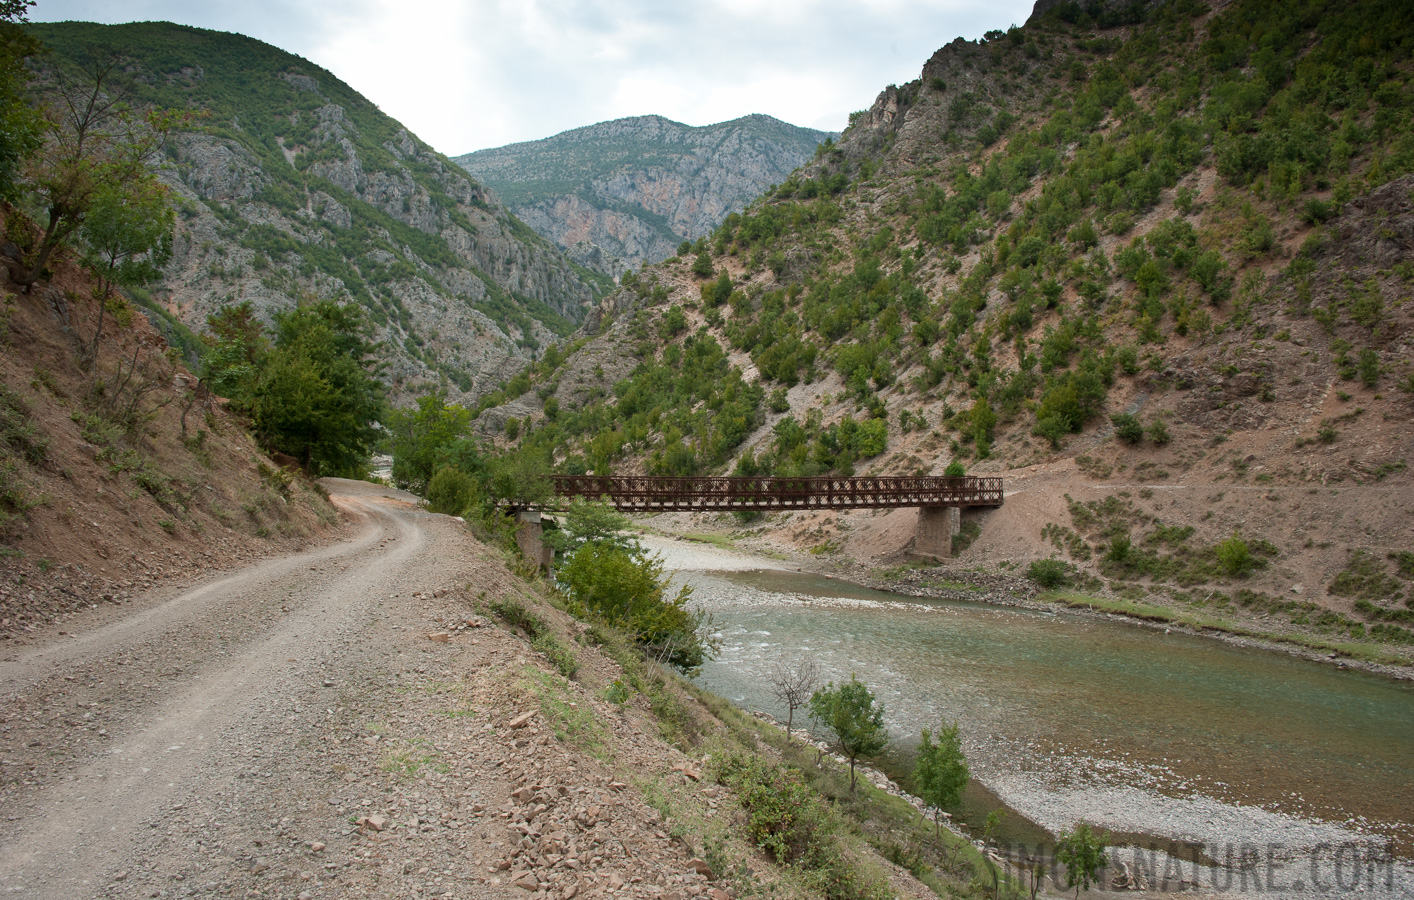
column 338, row 723
column 115, row 737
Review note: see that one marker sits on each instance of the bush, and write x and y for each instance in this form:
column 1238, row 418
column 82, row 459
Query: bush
column 702, row 265
column 625, row 588
column 1159, row 432
column 1050, row 573
column 1127, row 428
column 1235, row 557
column 955, row 469
column 450, row 491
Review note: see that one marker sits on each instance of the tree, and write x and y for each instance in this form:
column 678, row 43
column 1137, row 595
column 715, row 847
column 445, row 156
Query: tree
column 128, row 236
column 96, row 149
column 588, row 521
column 1083, row 854
column 21, row 128
column 702, row 265
column 793, row 685
column 627, row 589
column 857, row 722
column 317, row 397
column 422, row 436
column 955, row 469
column 1127, row 428
column 941, row 773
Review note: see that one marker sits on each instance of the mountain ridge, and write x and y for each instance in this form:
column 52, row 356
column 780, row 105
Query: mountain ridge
column 619, row 193
column 292, row 183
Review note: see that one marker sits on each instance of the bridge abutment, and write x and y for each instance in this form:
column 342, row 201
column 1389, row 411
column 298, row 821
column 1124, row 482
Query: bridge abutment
column 936, row 527
column 529, row 538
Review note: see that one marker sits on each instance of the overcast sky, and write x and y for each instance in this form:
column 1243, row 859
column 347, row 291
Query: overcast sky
column 468, row 74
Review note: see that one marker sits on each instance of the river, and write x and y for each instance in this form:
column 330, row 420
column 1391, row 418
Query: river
column 1299, row 775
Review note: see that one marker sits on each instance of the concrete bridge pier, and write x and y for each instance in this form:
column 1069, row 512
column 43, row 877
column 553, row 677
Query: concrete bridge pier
column 529, row 539
column 936, row 527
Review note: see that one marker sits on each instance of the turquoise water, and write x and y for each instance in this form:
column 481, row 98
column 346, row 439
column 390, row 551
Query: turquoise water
column 1092, row 711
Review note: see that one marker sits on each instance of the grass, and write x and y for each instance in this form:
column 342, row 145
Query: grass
column 570, row 721
column 721, row 541
column 1151, row 613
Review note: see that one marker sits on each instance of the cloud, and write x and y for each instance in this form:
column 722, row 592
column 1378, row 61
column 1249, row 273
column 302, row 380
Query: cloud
column 468, row 74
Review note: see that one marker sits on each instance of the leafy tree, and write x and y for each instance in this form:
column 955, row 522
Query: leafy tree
column 236, row 348
column 627, row 589
column 1235, row 557
column 450, row 491
column 96, row 150
column 317, row 397
column 1084, row 856
column 421, row 437
column 588, row 521
column 941, row 773
column 955, row 469
column 128, row 236
column 856, row 720
column 21, row 128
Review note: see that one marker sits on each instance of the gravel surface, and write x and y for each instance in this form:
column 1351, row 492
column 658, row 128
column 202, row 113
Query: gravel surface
column 338, row 723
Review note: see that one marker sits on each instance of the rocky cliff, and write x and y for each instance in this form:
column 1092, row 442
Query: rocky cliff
column 290, row 183
column 618, row 194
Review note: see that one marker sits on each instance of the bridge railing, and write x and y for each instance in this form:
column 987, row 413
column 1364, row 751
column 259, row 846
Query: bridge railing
column 649, row 492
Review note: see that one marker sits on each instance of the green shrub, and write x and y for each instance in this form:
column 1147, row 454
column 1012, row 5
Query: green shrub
column 955, row 469
column 450, row 491
column 1158, row 432
column 1050, row 573
column 1235, row 557
column 1127, row 428
column 514, row 613
column 626, row 589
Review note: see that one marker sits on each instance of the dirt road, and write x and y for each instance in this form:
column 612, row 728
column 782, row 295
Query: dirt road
column 146, row 749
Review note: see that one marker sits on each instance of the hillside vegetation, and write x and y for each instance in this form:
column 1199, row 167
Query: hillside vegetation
column 619, row 194
column 289, row 183
column 1151, row 262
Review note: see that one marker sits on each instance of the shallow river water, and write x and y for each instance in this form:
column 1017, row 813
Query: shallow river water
column 1301, row 772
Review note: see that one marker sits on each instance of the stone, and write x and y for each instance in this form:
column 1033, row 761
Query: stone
column 700, row 867
column 521, row 720
column 525, row 880
column 439, row 636
column 317, row 847
column 374, row 822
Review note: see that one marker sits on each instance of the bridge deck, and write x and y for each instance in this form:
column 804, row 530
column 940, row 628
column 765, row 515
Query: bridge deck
column 646, row 493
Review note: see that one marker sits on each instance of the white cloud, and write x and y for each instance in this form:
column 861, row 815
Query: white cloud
column 481, row 73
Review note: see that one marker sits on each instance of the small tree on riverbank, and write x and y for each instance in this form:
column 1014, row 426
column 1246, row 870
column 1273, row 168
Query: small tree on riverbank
column 941, row 772
column 856, row 720
column 793, row 685
column 1084, row 855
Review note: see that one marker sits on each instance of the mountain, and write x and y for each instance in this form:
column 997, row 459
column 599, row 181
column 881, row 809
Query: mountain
column 1150, row 262
column 618, row 194
column 291, row 183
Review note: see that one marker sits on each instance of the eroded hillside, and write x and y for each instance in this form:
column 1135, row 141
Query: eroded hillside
column 117, row 473
column 1152, row 265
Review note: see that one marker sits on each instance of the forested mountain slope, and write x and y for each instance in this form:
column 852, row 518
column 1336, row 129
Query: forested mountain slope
column 618, row 194
column 290, row 183
column 1151, row 262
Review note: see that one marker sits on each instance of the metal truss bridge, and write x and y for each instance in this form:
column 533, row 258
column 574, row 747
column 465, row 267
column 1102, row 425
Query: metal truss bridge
column 648, row 493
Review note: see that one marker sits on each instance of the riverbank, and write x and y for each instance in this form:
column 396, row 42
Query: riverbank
column 1170, row 739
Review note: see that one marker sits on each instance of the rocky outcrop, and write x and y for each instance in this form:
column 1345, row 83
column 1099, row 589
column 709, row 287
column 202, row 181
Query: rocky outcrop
column 621, row 193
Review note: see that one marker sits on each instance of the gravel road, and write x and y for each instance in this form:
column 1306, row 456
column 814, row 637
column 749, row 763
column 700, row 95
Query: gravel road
column 135, row 753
